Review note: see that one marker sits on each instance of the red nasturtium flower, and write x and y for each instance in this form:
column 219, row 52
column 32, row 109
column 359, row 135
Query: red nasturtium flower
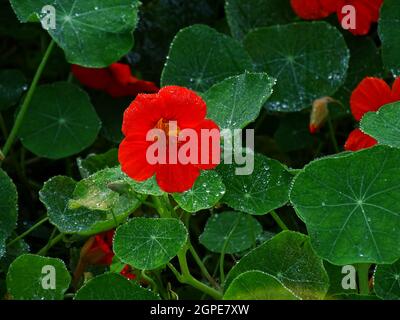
column 98, row 251
column 157, row 111
column 116, row 80
column 367, row 11
column 369, row 96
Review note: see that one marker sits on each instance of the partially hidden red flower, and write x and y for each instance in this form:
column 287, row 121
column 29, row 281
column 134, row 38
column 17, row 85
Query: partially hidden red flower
column 117, row 80
column 314, row 9
column 367, row 11
column 358, row 140
column 157, row 111
column 98, row 251
column 369, row 96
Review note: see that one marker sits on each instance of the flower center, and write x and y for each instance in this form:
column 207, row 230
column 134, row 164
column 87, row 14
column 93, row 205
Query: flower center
column 169, row 127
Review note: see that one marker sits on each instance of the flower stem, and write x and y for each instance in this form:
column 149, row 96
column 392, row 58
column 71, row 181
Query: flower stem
column 21, row 114
column 202, row 267
column 278, row 220
column 363, row 278
column 50, row 244
column 161, row 207
column 149, row 280
column 187, row 278
column 333, row 136
column 36, row 225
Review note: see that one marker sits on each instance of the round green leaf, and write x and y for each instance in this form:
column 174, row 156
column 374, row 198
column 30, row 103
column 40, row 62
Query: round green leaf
column 149, row 187
column 9, row 209
column 335, row 280
column 245, row 15
column 266, row 189
column 96, row 162
column 12, row 85
column 384, row 125
column 147, row 243
column 230, row 232
column 389, row 26
column 111, row 112
column 365, row 61
column 350, row 204
column 112, row 286
column 296, row 55
column 237, row 101
column 257, row 285
column 205, row 193
column 83, row 216
column 60, row 121
column 387, row 281
column 92, row 33
column 197, row 66
column 289, row 257
column 13, row 251
column 30, row 277
column 107, row 190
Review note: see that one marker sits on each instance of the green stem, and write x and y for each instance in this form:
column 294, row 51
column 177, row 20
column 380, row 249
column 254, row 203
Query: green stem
column 363, row 278
column 202, row 267
column 27, row 100
column 50, row 244
column 21, row 236
column 187, row 278
column 278, row 220
column 160, row 207
column 149, row 280
column 221, row 267
column 333, row 136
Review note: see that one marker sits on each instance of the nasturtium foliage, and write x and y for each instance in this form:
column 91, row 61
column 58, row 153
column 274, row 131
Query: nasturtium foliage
column 107, row 190
column 112, row 286
column 55, row 196
column 389, row 25
column 296, row 55
column 384, row 125
column 33, row 277
column 230, row 232
column 200, row 57
column 92, row 33
column 290, row 258
column 13, row 251
column 387, row 281
column 60, row 121
column 258, row 285
column 110, row 111
column 365, row 61
column 265, row 189
column 350, row 204
column 86, row 218
column 336, row 277
column 149, row 243
column 12, row 85
column 9, row 209
column 237, row 101
column 245, row 15
column 206, row 192
column 149, row 187
column 96, row 162
column 159, row 23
